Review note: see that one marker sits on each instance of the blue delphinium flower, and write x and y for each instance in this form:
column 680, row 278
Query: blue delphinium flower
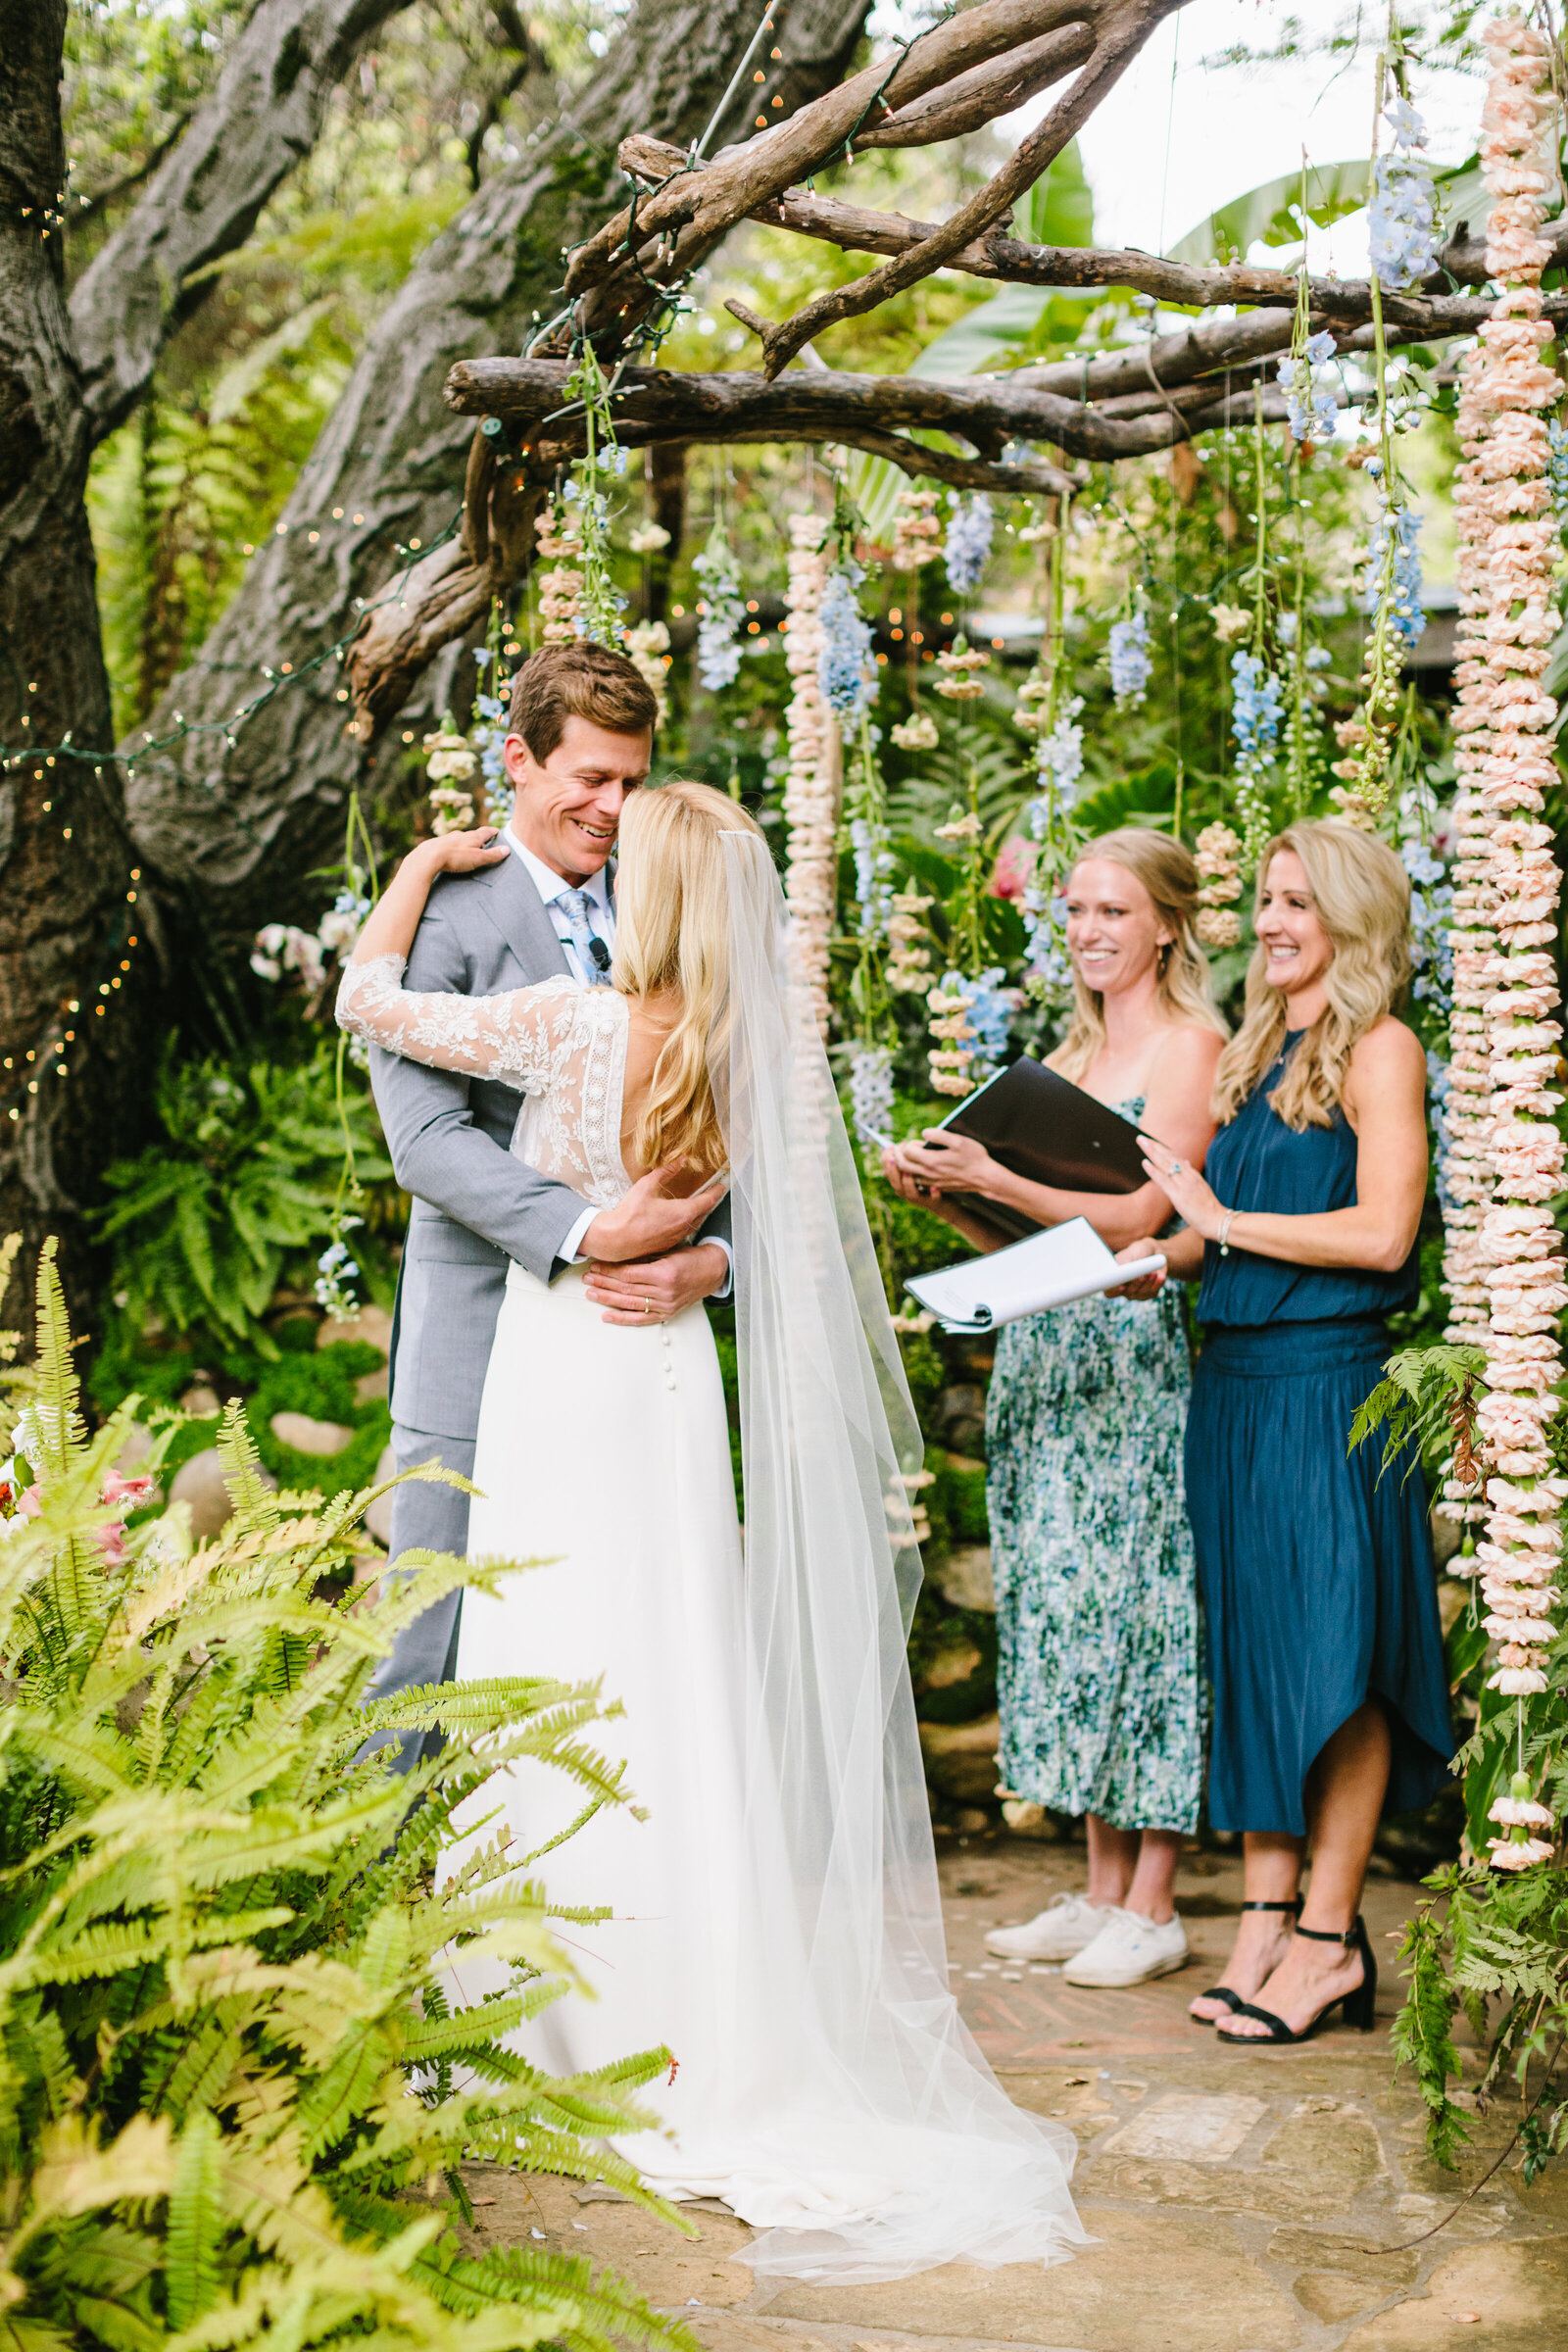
column 1438, row 1083
column 1410, row 617
column 871, row 1095
column 966, row 548
column 1557, row 437
column 991, row 1008
column 1059, row 761
column 1255, row 708
column 1131, row 663
column 1403, row 219
column 1311, row 408
column 845, row 670
column 719, row 648
column 874, row 868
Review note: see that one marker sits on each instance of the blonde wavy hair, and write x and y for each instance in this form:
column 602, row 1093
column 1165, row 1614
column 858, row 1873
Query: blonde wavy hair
column 1361, row 895
column 1167, row 871
column 673, row 938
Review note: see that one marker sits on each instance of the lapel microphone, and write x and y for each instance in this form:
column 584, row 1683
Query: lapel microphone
column 600, row 953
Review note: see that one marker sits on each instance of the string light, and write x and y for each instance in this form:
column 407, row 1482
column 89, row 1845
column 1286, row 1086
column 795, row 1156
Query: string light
column 12, row 756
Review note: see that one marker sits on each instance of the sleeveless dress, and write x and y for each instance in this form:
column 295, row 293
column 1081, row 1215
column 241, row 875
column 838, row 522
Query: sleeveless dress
column 1099, row 1665
column 1317, row 1576
column 603, row 1456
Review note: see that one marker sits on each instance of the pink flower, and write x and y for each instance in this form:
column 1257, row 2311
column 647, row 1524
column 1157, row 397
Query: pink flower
column 1010, row 875
column 1503, row 1855
column 129, row 1490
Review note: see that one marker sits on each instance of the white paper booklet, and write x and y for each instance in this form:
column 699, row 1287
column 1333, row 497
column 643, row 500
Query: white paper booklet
column 1049, row 1268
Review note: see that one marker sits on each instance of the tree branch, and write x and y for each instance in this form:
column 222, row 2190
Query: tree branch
column 670, row 230
column 1118, row 38
column 205, row 197
column 657, row 404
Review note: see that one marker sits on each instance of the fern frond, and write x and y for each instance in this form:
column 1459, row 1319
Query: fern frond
column 196, row 2221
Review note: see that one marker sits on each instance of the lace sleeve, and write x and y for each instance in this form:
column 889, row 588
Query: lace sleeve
column 517, row 1038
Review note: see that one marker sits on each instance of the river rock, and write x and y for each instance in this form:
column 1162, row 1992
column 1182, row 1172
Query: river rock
column 370, row 1328
column 960, row 1759
column 200, row 1483
column 379, row 1518
column 964, row 1579
column 201, row 1400
column 304, row 1436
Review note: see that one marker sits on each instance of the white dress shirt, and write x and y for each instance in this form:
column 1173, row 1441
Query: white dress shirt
column 602, row 923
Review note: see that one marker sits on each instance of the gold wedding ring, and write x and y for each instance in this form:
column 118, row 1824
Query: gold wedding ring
column 647, row 1307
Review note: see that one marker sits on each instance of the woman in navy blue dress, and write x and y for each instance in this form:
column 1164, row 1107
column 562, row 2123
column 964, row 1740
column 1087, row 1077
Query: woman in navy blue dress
column 1330, row 1695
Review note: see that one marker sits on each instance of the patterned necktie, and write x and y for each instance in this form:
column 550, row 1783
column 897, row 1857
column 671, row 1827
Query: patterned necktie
column 573, row 905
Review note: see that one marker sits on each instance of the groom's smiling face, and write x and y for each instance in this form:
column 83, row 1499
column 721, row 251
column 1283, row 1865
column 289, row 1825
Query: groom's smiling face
column 567, row 807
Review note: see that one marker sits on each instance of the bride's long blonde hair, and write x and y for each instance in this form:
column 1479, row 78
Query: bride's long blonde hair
column 1361, row 895
column 672, row 922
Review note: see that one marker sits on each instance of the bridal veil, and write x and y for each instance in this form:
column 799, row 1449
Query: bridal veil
column 837, row 1833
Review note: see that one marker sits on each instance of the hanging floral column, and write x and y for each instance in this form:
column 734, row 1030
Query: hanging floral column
column 1507, row 481
column 810, row 874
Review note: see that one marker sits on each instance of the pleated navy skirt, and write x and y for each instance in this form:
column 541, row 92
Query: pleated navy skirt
column 1316, row 1575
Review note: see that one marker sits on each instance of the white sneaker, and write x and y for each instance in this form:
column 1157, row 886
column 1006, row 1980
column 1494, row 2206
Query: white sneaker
column 1128, row 1950
column 1067, row 1923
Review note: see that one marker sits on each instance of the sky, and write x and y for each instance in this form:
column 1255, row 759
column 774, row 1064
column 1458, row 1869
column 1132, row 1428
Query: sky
column 1160, row 161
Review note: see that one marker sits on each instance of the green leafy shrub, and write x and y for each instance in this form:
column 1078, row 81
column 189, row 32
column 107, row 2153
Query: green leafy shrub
column 246, row 1173
column 232, row 2080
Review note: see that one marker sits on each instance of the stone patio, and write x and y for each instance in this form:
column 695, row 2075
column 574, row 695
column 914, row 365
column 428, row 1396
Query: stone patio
column 1242, row 2202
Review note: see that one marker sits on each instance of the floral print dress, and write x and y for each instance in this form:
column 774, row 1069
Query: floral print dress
column 1099, row 1667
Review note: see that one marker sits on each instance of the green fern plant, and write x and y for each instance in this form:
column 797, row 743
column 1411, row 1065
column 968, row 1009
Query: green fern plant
column 246, row 1172
column 231, row 2081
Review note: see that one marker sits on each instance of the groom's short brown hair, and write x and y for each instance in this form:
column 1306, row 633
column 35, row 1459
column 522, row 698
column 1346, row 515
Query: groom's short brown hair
column 582, row 680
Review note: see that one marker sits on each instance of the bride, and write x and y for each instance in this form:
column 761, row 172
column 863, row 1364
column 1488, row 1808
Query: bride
column 776, row 1920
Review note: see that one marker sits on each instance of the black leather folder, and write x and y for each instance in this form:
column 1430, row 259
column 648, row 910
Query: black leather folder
column 1044, row 1127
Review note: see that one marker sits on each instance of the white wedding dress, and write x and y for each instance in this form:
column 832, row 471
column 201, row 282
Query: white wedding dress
column 776, row 1922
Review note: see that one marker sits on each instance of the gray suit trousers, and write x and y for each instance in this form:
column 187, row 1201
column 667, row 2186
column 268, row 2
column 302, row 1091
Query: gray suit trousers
column 424, row 1518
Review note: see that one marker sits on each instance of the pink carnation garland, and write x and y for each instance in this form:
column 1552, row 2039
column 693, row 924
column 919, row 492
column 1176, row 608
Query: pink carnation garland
column 1503, row 1267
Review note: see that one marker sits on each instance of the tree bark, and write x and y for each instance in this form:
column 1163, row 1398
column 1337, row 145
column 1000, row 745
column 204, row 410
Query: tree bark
column 68, row 898
column 238, row 826
column 206, row 196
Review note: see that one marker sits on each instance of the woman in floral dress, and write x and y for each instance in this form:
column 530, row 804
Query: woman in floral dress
column 1099, row 1667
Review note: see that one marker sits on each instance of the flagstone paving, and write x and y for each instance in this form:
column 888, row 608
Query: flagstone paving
column 1242, row 2201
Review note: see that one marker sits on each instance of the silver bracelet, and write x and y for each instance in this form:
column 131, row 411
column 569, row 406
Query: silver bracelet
column 1225, row 1224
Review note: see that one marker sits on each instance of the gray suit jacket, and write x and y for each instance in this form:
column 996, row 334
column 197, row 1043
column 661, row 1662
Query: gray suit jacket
column 474, row 1206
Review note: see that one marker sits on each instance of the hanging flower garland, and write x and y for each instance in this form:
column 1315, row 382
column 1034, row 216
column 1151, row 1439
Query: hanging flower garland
column 870, row 1056
column 916, row 532
column 559, row 589
column 971, row 527
column 721, row 612
column 811, row 871
column 1405, row 237
column 647, row 649
column 451, row 764
column 1507, row 472
column 1046, row 712
column 1128, row 658
column 1219, row 853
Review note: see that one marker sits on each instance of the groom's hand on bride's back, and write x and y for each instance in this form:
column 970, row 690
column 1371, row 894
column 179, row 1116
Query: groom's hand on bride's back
column 639, row 1270
column 649, row 1219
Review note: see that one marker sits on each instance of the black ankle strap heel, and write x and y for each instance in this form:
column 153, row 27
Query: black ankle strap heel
column 1224, row 1992
column 1357, row 2008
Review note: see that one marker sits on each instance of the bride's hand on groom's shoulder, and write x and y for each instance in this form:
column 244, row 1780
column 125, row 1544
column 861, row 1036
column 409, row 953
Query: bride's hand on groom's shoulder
column 649, row 1219
column 462, row 853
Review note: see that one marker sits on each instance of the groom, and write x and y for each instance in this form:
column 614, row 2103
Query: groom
column 581, row 739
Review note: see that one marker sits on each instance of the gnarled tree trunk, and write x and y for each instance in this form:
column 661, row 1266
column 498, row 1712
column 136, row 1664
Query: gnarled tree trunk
column 68, row 1071
column 235, row 829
